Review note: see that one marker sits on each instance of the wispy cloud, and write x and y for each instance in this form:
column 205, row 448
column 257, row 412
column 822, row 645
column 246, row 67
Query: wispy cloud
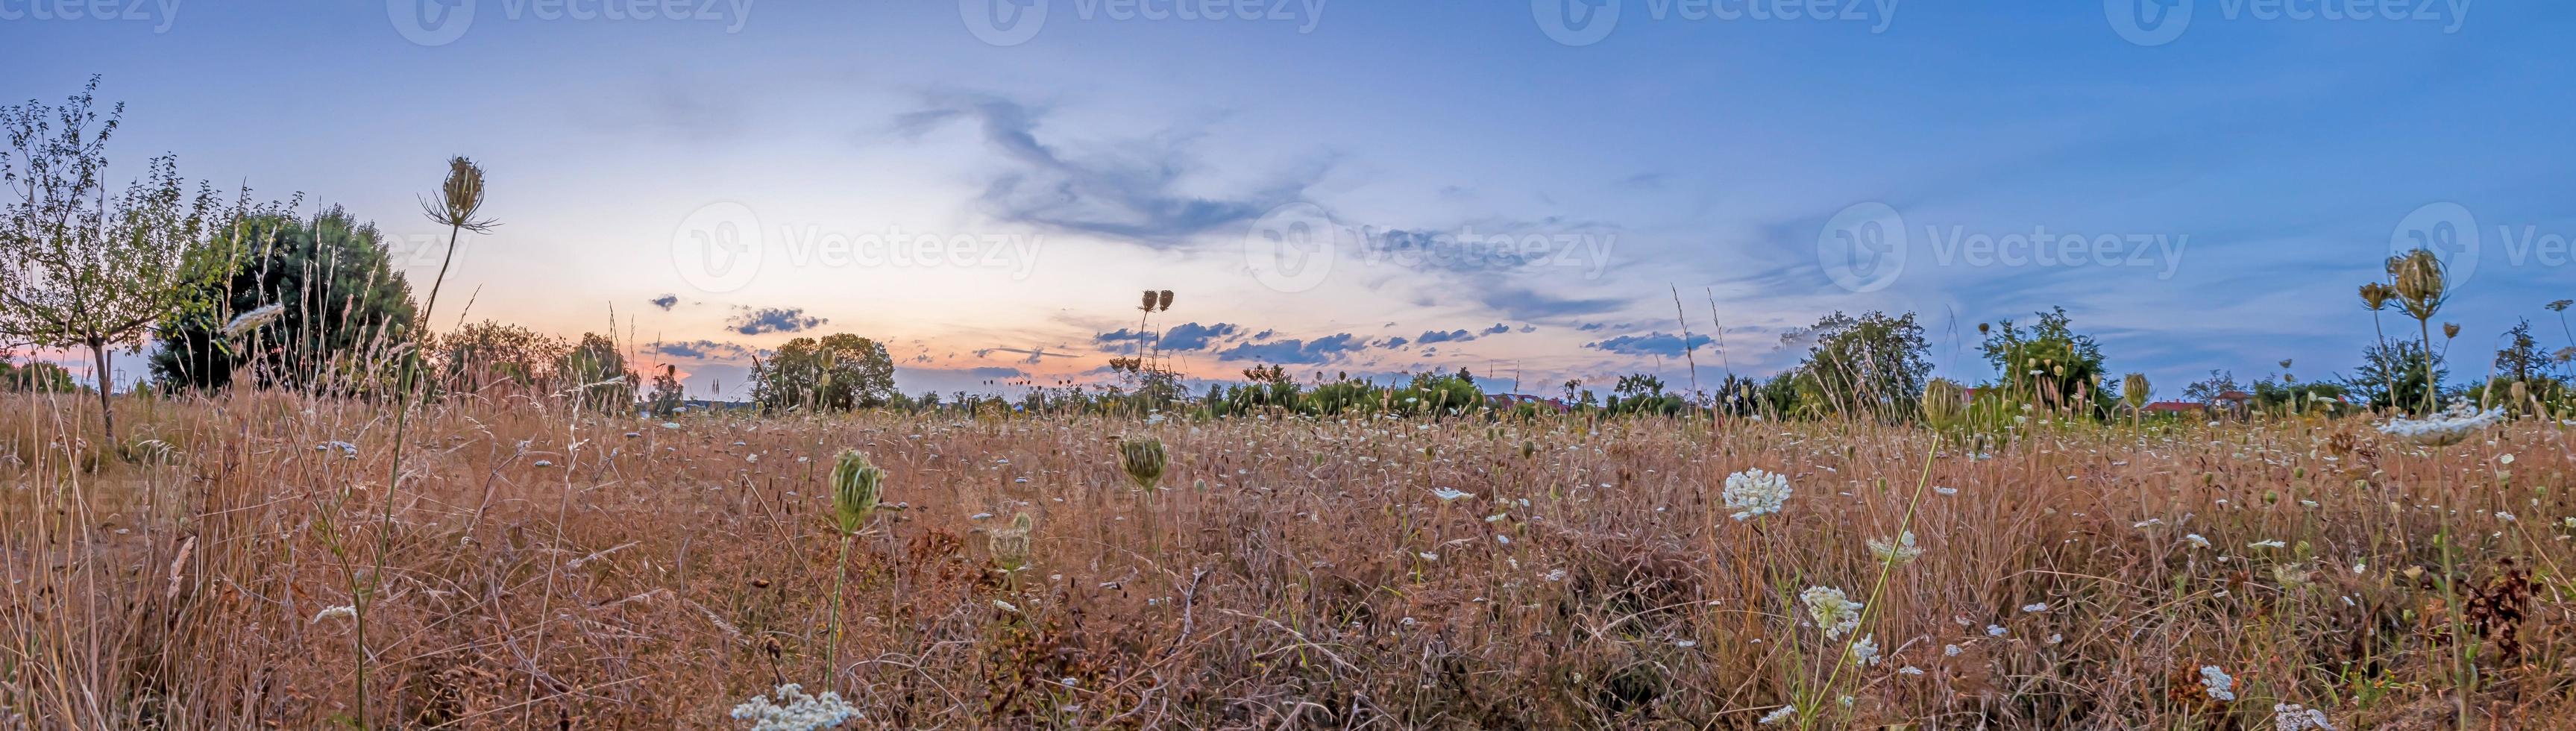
column 1650, row 344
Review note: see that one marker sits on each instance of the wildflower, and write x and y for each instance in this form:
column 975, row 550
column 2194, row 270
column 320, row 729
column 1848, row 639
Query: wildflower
column 1909, row 670
column 1755, row 492
column 2034, row 608
column 1783, row 713
column 1006, row 606
column 1448, row 495
column 795, row 711
column 2220, row 685
column 2295, row 717
column 2273, row 543
column 1865, row 652
column 1835, row 613
column 2504, row 516
column 2196, row 540
column 1900, row 551
column 1995, row 630
column 1010, row 546
column 337, row 612
column 2504, row 459
column 2452, row 426
column 1946, row 490
column 1951, row 650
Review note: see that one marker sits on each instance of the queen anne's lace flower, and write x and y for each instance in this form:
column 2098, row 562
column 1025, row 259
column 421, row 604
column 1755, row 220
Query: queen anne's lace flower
column 2220, row 685
column 1902, row 550
column 1833, row 612
column 2295, row 717
column 1865, row 652
column 795, row 711
column 1782, row 713
column 1755, row 492
column 2450, row 427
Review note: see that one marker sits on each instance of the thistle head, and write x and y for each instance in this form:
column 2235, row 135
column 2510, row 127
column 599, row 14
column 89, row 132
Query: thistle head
column 856, row 487
column 1150, row 298
column 1010, row 546
column 1143, row 459
column 2561, row 305
column 2450, row 329
column 459, row 198
column 1942, row 401
column 2421, row 282
column 1163, row 300
column 2134, row 389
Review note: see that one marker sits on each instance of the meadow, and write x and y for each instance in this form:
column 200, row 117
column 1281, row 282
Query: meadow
column 543, row 567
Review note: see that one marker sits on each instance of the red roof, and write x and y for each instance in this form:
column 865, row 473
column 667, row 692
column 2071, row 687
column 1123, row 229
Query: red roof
column 2174, row 407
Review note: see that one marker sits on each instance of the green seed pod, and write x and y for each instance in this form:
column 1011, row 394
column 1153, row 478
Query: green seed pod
column 1010, row 546
column 1144, row 460
column 856, row 488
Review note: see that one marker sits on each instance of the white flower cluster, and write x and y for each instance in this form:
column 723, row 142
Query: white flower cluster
column 1865, row 652
column 2295, row 717
column 1777, row 715
column 1902, row 550
column 795, row 711
column 1835, row 613
column 2450, row 427
column 2220, row 685
column 1754, row 492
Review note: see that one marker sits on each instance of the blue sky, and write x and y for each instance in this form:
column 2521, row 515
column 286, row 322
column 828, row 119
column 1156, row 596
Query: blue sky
column 1493, row 196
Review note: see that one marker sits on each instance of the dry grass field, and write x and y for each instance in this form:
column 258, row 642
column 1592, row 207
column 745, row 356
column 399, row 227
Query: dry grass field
column 541, row 568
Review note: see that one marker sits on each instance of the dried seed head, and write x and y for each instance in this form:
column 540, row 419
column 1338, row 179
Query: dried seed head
column 1149, row 301
column 1010, row 546
column 2421, row 282
column 2450, row 329
column 1165, row 298
column 2134, row 389
column 2375, row 296
column 459, row 198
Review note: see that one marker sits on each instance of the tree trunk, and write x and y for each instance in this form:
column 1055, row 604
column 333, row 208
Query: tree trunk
column 106, row 387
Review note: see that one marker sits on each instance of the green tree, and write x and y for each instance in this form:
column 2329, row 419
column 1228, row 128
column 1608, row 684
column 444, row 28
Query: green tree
column 2402, row 365
column 836, row 373
column 595, row 374
column 1869, row 365
column 2048, row 362
column 35, row 377
column 343, row 310
column 79, row 266
column 488, row 353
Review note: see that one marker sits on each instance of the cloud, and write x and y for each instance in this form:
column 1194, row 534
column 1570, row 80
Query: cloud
column 1296, row 352
column 1394, row 343
column 1649, row 344
column 994, row 373
column 702, row 350
column 1194, row 336
column 1497, row 329
column 773, row 320
column 1034, row 354
column 1521, row 303
column 666, row 302
column 1129, row 192
column 1453, row 336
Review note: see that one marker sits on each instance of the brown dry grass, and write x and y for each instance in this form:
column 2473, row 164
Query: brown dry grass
column 1296, row 574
